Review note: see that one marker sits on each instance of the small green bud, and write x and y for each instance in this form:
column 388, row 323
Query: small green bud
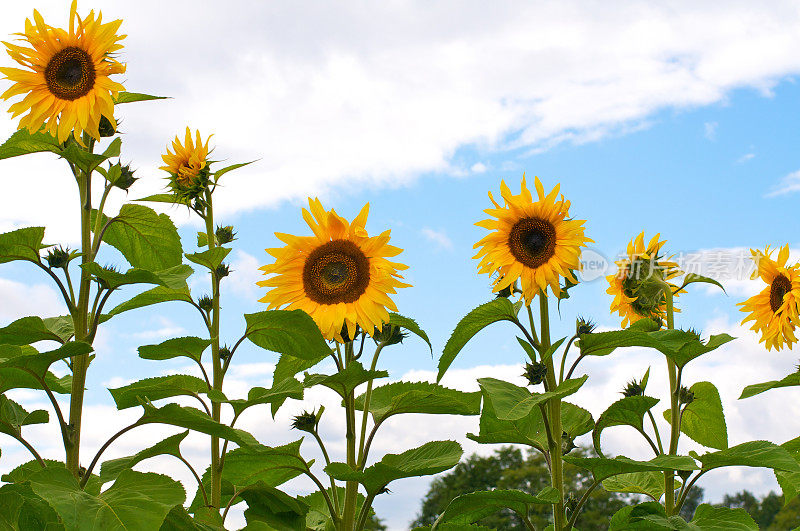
column 206, row 303
column 567, row 443
column 685, row 396
column 308, row 422
column 584, row 326
column 58, row 258
column 384, row 490
column 224, row 353
column 225, row 234
column 570, row 504
column 684, row 474
column 389, row 334
column 105, row 127
column 535, row 372
column 103, row 284
column 222, row 271
column 126, row 178
column 633, row 388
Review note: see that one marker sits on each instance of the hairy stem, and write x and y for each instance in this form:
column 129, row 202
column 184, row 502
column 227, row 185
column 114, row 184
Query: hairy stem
column 675, row 429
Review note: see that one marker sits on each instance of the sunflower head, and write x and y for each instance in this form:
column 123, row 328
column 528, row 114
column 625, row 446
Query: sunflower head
column 638, row 286
column 340, row 276
column 66, row 75
column 775, row 310
column 188, row 167
column 534, row 242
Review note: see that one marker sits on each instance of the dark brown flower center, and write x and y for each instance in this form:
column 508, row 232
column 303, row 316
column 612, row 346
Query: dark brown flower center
column 335, row 272
column 70, row 73
column 532, row 241
column 778, row 290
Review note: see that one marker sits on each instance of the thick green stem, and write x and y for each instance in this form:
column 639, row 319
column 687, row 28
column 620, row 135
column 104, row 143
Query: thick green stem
column 351, row 487
column 80, row 364
column 554, row 414
column 675, row 429
column 362, row 455
column 217, row 375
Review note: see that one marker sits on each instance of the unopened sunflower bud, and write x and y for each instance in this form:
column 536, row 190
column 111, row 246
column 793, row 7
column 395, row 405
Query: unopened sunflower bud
column 685, row 396
column 206, row 303
column 567, row 443
column 225, row 234
column 389, row 335
column 105, row 127
column 224, row 353
column 571, row 503
column 583, row 326
column 535, row 372
column 58, row 258
column 384, row 490
column 684, row 474
column 222, row 271
column 101, row 281
column 126, row 178
column 305, row 422
column 633, row 388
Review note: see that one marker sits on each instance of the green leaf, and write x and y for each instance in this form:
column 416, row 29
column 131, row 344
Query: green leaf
column 178, row 519
column 287, row 388
column 268, row 505
column 131, row 97
column 511, row 402
column 110, row 470
column 419, row 397
column 629, row 411
column 82, row 159
column 27, row 358
column 248, row 466
column 21, row 509
column 691, row 278
column 648, row 483
column 152, row 389
column 210, row 258
column 528, row 348
column 703, row 419
column 202, row 239
column 194, row 419
column 173, row 277
column 755, row 389
column 636, row 517
column 752, row 453
column 287, row 367
column 411, row 325
column 27, row 330
column 163, row 198
column 23, row 142
column 430, row 458
column 21, row 244
column 219, row 173
column 62, row 326
column 345, row 381
column 20, row 379
column 708, row 517
column 603, row 467
column 188, row 347
column 134, row 501
column 319, row 516
column 679, row 345
column 790, row 481
column 499, row 309
column 153, row 296
column 146, row 239
column 13, row 416
column 286, row 332
column 469, row 508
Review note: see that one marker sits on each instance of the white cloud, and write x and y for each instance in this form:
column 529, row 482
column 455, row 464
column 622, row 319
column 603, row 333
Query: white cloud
column 389, row 92
column 744, row 158
column 788, row 185
column 244, row 275
column 22, row 300
column 710, row 130
column 439, row 237
column 478, row 167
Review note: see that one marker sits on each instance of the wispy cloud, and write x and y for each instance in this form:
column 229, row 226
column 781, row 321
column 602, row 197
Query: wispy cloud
column 710, row 130
column 439, row 237
column 788, row 185
column 744, row 158
column 478, row 167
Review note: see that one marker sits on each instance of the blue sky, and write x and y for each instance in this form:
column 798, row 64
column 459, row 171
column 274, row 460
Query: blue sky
column 681, row 133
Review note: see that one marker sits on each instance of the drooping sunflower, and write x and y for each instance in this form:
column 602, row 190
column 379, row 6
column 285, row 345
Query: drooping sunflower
column 774, row 311
column 67, row 84
column 637, row 286
column 533, row 241
column 188, row 165
column 340, row 276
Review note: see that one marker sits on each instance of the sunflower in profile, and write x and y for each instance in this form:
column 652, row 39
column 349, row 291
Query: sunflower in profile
column 340, row 276
column 639, row 283
column 66, row 80
column 187, row 165
column 774, row 311
column 533, row 241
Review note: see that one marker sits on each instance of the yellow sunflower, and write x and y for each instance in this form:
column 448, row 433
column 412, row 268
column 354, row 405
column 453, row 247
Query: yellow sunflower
column 533, row 241
column 637, row 286
column 775, row 310
column 340, row 276
column 67, row 81
column 187, row 165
